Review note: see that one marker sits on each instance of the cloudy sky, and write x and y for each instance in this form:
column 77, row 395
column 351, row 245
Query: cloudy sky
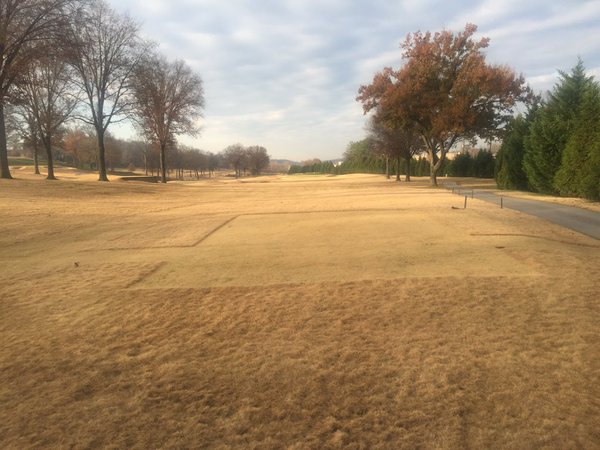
column 284, row 73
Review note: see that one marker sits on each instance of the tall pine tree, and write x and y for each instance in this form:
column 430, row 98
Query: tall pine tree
column 552, row 128
column 509, row 161
column 579, row 173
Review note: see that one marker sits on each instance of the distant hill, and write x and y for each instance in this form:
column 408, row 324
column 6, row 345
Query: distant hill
column 299, row 163
column 286, row 162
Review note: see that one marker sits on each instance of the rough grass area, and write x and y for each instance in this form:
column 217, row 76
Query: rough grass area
column 291, row 312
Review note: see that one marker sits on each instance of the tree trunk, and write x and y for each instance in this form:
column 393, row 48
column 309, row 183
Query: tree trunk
column 146, row 164
column 36, row 164
column 101, row 156
column 408, row 169
column 435, row 163
column 398, row 168
column 163, row 164
column 48, row 147
column 434, row 170
column 4, row 169
column 387, row 167
column 433, row 178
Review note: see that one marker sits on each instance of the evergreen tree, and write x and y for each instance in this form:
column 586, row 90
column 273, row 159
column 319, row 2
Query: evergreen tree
column 483, row 164
column 462, row 165
column 360, row 158
column 590, row 184
column 543, row 150
column 422, row 167
column 579, row 173
column 509, row 161
column 552, row 128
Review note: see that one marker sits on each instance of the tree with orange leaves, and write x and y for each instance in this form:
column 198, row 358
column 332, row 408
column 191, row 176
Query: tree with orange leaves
column 446, row 91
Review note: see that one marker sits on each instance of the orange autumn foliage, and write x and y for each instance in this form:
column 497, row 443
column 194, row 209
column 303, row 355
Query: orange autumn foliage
column 446, row 90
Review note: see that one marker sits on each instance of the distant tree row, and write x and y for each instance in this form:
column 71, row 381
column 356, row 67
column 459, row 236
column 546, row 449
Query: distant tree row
column 253, row 159
column 555, row 147
column 364, row 157
column 78, row 149
column 465, row 165
column 313, row 166
column 67, row 60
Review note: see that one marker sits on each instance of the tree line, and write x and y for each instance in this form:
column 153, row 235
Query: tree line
column 555, row 147
column 78, row 148
column 446, row 92
column 67, row 60
column 363, row 157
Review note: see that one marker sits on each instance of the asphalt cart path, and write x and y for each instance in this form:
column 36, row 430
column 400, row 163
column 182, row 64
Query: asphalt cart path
column 581, row 220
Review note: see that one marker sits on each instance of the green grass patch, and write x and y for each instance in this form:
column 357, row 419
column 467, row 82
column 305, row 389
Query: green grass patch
column 19, row 161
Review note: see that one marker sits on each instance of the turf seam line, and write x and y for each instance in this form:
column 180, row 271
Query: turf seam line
column 324, row 211
column 154, row 247
column 146, row 275
column 274, row 213
column 210, row 233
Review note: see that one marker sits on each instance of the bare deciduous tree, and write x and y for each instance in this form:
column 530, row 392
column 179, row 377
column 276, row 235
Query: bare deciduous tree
column 104, row 49
column 20, row 126
column 236, row 157
column 25, row 27
column 80, row 147
column 169, row 99
column 27, row 130
column 394, row 142
column 48, row 101
column 258, row 159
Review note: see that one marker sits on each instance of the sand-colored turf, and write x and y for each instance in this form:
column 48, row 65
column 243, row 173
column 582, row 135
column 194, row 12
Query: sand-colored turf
column 291, row 312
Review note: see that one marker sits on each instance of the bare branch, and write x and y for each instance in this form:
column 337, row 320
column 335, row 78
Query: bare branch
column 26, row 29
column 104, row 50
column 168, row 101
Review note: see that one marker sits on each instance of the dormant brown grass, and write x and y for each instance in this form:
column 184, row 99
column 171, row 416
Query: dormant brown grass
column 291, row 312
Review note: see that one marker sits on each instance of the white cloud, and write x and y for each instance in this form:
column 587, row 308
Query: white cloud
column 568, row 15
column 284, row 73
